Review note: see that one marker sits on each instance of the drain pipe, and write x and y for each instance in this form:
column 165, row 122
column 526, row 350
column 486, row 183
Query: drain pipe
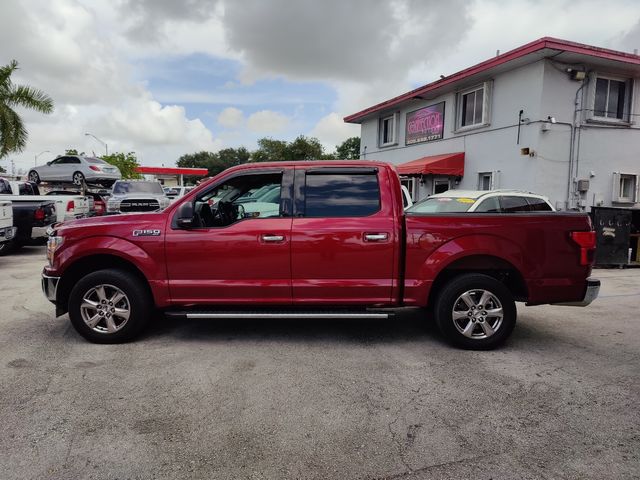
column 568, row 200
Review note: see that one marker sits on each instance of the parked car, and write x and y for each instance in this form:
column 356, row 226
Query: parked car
column 76, row 169
column 68, row 207
column 339, row 246
column 176, row 192
column 130, row 196
column 483, row 201
column 32, row 215
column 7, row 230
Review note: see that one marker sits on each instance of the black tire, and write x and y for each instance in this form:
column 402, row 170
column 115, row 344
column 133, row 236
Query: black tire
column 478, row 323
column 7, row 247
column 33, row 176
column 138, row 299
column 77, row 178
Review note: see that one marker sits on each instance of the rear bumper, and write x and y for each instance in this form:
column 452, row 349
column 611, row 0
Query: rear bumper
column 7, row 233
column 39, row 232
column 50, row 287
column 591, row 293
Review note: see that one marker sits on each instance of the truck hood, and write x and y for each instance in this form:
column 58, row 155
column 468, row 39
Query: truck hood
column 112, row 225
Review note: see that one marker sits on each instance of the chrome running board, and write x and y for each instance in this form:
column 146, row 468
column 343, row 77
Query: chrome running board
column 280, row 315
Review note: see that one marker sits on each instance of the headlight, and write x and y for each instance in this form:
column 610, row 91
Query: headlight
column 53, row 244
column 113, row 205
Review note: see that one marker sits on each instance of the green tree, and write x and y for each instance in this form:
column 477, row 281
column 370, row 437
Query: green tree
column 305, row 148
column 302, row 148
column 13, row 133
column 270, row 150
column 73, row 151
column 349, row 149
column 126, row 163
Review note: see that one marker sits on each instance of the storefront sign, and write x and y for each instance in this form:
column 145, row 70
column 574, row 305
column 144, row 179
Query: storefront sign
column 425, row 125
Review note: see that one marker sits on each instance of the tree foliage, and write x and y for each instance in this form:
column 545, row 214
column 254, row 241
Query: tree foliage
column 73, row 151
column 349, row 149
column 13, row 133
column 126, row 163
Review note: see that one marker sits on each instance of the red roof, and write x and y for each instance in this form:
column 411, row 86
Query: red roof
column 172, row 171
column 446, row 164
column 540, row 44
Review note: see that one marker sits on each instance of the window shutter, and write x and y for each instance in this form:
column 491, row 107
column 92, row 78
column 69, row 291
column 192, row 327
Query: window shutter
column 486, row 107
column 615, row 191
column 636, row 192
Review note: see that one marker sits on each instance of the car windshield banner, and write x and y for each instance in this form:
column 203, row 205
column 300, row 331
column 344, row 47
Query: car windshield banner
column 425, row 125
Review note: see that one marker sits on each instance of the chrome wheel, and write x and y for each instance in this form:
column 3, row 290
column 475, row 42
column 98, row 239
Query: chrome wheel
column 477, row 314
column 34, row 177
column 105, row 309
column 78, row 178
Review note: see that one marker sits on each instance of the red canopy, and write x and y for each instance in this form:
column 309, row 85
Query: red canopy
column 446, row 164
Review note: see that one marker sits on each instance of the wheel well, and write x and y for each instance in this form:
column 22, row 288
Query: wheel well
column 93, row 263
column 495, row 267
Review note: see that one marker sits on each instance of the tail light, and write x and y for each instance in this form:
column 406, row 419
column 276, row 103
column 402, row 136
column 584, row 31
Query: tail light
column 95, row 168
column 587, row 243
column 39, row 214
column 70, row 206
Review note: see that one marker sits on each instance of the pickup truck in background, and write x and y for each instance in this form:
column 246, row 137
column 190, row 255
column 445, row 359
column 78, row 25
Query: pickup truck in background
column 31, row 219
column 7, row 230
column 338, row 245
column 68, row 207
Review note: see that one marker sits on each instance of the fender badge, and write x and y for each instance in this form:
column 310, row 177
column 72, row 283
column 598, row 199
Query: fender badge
column 146, row 233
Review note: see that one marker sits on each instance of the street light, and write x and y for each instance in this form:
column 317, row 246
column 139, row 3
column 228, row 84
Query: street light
column 106, row 149
column 35, row 159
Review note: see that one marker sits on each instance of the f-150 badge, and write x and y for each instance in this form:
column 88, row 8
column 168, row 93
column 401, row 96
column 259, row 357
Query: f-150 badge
column 146, row 233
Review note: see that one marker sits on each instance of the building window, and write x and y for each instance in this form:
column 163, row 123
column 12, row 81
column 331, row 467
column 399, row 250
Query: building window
column 625, row 188
column 473, row 106
column 410, row 183
column 440, row 186
column 387, row 133
column 611, row 99
column 485, row 181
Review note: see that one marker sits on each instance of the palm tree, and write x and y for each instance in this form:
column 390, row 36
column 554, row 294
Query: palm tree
column 13, row 134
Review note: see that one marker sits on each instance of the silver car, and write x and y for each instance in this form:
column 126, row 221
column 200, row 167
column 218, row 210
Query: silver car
column 76, row 169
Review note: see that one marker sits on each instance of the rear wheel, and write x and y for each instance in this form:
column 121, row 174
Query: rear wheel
column 475, row 311
column 78, row 178
column 34, row 177
column 109, row 306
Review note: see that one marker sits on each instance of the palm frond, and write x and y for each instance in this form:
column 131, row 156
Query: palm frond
column 30, row 97
column 6, row 71
column 13, row 135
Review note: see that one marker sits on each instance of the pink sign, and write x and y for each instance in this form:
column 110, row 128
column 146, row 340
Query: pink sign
column 425, row 125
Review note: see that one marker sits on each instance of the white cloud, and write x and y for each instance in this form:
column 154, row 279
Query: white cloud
column 267, row 121
column 231, row 117
column 332, row 131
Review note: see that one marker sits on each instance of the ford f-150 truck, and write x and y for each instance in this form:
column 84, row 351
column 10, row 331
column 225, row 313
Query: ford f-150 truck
column 338, row 245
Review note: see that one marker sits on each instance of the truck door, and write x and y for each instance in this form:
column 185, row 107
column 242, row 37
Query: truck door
column 343, row 237
column 237, row 251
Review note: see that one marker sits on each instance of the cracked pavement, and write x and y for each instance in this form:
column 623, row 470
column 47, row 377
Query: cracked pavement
column 320, row 399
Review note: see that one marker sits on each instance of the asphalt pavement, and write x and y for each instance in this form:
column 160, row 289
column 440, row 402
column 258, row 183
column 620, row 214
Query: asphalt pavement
column 319, row 399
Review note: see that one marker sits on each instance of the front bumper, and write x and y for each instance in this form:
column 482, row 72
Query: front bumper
column 50, row 287
column 7, row 233
column 593, row 288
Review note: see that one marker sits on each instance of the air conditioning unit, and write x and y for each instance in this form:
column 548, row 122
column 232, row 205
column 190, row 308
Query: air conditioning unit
column 583, row 185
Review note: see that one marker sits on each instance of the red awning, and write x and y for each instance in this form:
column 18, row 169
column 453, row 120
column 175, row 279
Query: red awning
column 172, row 171
column 447, row 164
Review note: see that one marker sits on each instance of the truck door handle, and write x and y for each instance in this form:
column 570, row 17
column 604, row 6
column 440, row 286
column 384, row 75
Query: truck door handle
column 272, row 238
column 376, row 237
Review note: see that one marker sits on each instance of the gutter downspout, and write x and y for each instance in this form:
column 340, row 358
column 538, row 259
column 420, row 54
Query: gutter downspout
column 568, row 200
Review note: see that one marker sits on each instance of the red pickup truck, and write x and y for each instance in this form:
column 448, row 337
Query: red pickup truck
column 318, row 239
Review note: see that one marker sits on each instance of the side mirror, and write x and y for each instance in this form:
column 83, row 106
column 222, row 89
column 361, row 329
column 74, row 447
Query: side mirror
column 48, row 163
column 183, row 217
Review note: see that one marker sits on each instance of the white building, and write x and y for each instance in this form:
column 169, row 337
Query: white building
column 552, row 117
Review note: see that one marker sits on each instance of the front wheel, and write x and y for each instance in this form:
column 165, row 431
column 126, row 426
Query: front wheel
column 109, row 306
column 34, row 177
column 475, row 311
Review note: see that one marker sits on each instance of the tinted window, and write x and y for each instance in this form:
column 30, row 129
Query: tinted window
column 442, row 205
column 5, row 188
column 341, row 195
column 514, row 204
column 73, row 160
column 490, row 205
column 538, row 205
column 138, row 187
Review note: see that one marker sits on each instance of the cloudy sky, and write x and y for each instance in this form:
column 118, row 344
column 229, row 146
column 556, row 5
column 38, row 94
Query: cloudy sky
column 167, row 77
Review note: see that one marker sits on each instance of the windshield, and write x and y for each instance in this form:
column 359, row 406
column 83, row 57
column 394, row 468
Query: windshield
column 442, row 205
column 138, row 187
